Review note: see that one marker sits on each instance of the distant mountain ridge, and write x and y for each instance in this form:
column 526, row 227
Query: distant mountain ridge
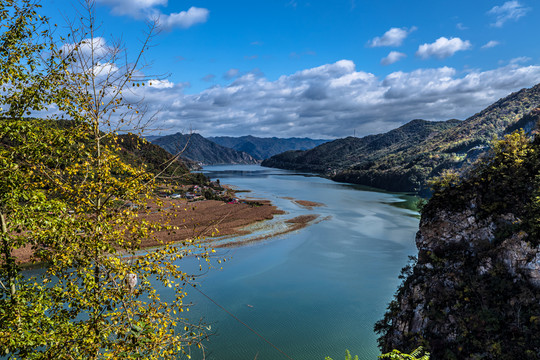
column 401, row 160
column 343, row 153
column 263, row 148
column 197, row 148
column 136, row 150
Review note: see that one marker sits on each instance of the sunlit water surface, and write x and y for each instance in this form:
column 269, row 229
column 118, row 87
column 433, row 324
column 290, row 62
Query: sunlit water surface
column 314, row 292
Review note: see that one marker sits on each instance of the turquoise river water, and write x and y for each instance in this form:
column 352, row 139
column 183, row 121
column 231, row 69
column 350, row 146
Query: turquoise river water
column 314, row 292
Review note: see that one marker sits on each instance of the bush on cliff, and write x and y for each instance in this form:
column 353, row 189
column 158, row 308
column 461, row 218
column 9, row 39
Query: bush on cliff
column 474, row 291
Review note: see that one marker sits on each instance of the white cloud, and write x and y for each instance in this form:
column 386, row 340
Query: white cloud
column 92, row 55
column 510, row 10
column 147, row 9
column 184, row 19
column 85, row 47
column 490, row 44
column 460, row 26
column 442, row 48
column 520, row 60
column 133, row 8
column 160, row 84
column 392, row 57
column 332, row 99
column 393, row 37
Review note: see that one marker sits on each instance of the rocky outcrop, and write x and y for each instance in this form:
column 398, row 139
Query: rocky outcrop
column 474, row 289
column 449, row 288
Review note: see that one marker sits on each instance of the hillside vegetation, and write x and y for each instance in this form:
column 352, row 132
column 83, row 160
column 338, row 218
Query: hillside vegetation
column 405, row 158
column 474, row 292
column 263, row 148
column 196, row 148
column 340, row 154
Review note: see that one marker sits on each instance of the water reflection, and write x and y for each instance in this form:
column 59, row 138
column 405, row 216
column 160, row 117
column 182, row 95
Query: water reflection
column 317, row 291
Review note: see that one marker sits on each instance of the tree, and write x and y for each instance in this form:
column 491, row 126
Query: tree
column 67, row 195
column 417, row 354
column 348, row 356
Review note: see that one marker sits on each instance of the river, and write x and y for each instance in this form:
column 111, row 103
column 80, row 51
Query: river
column 314, row 292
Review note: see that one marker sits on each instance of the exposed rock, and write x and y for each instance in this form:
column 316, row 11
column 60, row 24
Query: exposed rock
column 448, row 228
column 450, row 242
column 474, row 292
column 521, row 259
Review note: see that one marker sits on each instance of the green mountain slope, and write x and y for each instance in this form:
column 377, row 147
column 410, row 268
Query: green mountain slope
column 263, row 148
column 197, row 148
column 343, row 153
column 133, row 150
column 407, row 164
column 136, row 150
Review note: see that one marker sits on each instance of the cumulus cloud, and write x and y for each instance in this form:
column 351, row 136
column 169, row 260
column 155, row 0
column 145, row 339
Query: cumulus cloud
column 148, row 9
column 333, row 99
column 490, row 44
column 392, row 57
column 442, row 48
column 393, row 37
column 160, row 84
column 184, row 19
column 93, row 55
column 98, row 46
column 510, row 10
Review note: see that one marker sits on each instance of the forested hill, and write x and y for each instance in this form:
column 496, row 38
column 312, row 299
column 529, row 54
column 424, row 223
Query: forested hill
column 344, row 153
column 263, row 148
column 138, row 151
column 197, row 148
column 407, row 163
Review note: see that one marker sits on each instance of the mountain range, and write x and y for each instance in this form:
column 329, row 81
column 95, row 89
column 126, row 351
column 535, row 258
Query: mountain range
column 229, row 150
column 347, row 152
column 196, row 148
column 263, row 148
column 405, row 158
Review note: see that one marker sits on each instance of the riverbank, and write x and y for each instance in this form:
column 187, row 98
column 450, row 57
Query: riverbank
column 208, row 219
column 200, row 219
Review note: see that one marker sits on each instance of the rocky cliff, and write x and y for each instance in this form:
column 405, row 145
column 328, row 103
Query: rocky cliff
column 474, row 291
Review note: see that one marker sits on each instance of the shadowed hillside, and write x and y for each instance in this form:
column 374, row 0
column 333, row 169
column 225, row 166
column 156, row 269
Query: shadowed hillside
column 263, row 148
column 343, row 153
column 401, row 160
column 197, row 148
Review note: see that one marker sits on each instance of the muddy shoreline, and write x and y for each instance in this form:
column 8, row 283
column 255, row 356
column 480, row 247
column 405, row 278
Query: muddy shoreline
column 208, row 221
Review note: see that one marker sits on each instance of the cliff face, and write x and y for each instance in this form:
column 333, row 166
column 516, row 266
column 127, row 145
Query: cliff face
column 474, row 292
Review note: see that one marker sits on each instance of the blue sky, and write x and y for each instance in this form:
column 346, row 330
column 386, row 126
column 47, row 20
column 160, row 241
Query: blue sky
column 323, row 69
